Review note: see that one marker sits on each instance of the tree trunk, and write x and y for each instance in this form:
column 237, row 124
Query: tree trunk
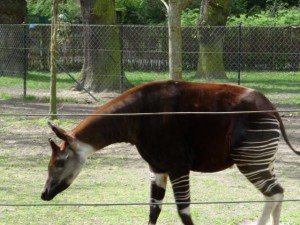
column 210, row 63
column 174, row 9
column 12, row 59
column 102, row 58
column 13, row 11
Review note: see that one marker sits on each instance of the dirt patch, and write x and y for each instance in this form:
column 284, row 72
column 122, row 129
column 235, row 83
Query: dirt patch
column 22, row 107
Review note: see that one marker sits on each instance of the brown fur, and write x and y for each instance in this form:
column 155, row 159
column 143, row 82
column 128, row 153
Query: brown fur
column 168, row 142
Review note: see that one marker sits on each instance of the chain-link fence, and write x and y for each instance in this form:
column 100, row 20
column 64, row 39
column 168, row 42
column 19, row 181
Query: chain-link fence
column 113, row 58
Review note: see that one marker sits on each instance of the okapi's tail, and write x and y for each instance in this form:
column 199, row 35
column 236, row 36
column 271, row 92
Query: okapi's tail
column 283, row 133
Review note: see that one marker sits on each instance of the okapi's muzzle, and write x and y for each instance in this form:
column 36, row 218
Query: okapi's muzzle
column 52, row 190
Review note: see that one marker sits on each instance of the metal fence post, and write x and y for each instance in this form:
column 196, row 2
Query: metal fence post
column 239, row 53
column 273, row 47
column 25, row 58
column 122, row 61
column 122, row 75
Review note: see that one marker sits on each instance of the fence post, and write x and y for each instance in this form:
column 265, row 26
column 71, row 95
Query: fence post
column 273, row 33
column 122, row 75
column 239, row 53
column 25, row 59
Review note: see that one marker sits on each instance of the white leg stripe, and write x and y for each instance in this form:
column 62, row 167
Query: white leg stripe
column 184, row 196
column 181, row 186
column 182, row 177
column 159, row 179
column 185, row 211
column 156, row 202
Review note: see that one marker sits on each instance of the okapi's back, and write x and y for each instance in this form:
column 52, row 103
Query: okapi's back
column 176, row 96
column 187, row 96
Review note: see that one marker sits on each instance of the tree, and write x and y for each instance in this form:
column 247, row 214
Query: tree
column 142, row 11
column 174, row 9
column 212, row 13
column 13, row 57
column 102, row 58
column 13, row 11
column 68, row 9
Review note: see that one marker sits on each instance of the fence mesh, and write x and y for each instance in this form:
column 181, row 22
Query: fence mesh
column 113, row 58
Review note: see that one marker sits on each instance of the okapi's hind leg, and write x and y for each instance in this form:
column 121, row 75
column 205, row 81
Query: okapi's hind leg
column 255, row 157
column 157, row 194
column 266, row 182
column 181, row 188
column 272, row 208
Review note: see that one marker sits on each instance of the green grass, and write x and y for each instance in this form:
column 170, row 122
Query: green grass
column 38, row 80
column 281, row 87
column 118, row 175
column 32, row 98
column 5, row 96
column 263, row 81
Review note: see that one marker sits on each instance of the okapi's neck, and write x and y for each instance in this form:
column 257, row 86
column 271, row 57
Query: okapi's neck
column 103, row 130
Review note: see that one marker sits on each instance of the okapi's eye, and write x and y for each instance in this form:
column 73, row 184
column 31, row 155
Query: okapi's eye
column 60, row 163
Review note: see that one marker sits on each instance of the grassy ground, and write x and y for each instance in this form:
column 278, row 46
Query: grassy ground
column 281, row 87
column 117, row 174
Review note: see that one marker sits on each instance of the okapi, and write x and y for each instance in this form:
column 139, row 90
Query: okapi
column 173, row 144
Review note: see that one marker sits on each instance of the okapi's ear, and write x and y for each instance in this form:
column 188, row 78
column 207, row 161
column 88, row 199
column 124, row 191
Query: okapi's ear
column 56, row 149
column 54, row 146
column 60, row 133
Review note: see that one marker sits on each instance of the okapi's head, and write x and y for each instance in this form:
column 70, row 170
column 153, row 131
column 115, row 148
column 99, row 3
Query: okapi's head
column 65, row 163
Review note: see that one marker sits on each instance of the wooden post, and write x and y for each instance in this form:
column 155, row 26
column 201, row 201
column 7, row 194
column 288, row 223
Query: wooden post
column 53, row 56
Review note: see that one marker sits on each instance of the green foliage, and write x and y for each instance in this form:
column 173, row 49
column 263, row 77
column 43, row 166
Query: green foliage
column 142, row 11
column 39, row 7
column 255, row 12
column 69, row 10
column 252, row 7
column 266, row 18
column 190, row 17
column 283, row 16
column 238, row 7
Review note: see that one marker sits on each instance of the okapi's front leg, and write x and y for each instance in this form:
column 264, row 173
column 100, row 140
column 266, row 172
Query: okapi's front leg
column 157, row 194
column 181, row 188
